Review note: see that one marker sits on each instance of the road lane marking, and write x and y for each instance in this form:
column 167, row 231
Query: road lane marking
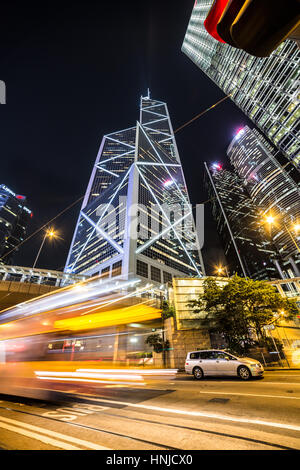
column 283, row 375
column 265, row 382
column 251, row 395
column 282, row 383
column 58, row 435
column 33, row 435
column 199, row 414
column 70, row 413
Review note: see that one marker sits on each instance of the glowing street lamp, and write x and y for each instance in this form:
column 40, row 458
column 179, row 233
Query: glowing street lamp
column 220, row 270
column 50, row 233
column 270, row 219
column 296, row 228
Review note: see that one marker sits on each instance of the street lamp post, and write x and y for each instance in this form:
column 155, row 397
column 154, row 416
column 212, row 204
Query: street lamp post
column 270, row 220
column 296, row 228
column 49, row 234
column 269, row 328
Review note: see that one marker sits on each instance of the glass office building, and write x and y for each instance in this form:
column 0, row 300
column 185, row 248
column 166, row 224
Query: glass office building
column 14, row 219
column 136, row 216
column 273, row 192
column 265, row 89
column 247, row 250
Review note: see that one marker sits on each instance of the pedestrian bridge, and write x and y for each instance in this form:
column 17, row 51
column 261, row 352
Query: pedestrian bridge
column 19, row 284
column 288, row 287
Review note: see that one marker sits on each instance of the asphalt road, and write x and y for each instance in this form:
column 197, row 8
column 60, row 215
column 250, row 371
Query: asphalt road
column 178, row 414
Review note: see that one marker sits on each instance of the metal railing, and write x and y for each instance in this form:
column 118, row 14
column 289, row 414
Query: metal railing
column 38, row 276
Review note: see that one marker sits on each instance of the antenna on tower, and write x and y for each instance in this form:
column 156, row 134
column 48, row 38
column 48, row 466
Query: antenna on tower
column 148, row 95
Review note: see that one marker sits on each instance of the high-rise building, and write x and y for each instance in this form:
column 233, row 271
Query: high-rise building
column 248, row 252
column 14, row 218
column 273, row 192
column 266, row 89
column 136, row 216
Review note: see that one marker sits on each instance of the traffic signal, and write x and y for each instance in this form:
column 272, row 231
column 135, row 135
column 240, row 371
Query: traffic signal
column 226, row 19
column 210, row 23
column 255, row 26
column 261, row 25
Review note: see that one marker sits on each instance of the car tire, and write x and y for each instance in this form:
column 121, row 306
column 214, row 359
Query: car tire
column 198, row 373
column 244, row 373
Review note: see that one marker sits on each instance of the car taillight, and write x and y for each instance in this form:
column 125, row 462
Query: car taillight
column 186, row 363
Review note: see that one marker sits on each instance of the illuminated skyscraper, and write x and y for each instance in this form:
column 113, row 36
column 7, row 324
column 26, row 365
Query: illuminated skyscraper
column 248, row 252
column 265, row 89
column 14, row 219
column 136, row 216
column 273, row 192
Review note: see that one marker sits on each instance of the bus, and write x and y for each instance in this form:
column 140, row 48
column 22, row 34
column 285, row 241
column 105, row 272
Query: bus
column 79, row 339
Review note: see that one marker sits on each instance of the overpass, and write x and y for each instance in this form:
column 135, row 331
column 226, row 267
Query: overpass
column 19, row 284
column 288, row 287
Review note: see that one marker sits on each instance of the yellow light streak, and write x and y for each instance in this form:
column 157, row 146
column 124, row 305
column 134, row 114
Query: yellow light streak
column 121, row 316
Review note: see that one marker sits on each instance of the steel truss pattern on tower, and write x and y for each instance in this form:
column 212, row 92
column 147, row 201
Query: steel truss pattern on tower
column 136, row 216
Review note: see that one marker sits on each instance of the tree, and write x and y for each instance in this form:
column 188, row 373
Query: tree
column 157, row 342
column 167, row 310
column 241, row 308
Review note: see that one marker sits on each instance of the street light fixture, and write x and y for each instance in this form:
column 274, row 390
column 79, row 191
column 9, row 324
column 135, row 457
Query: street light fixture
column 270, row 219
column 296, row 228
column 50, row 233
column 221, row 269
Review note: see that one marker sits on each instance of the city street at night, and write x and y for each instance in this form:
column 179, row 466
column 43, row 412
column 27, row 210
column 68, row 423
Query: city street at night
column 150, row 233
column 166, row 414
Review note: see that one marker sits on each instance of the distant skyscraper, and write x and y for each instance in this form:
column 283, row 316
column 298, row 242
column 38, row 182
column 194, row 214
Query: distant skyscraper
column 136, row 218
column 248, row 252
column 272, row 191
column 266, row 89
column 14, row 218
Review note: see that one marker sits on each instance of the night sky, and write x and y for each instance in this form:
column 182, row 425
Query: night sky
column 75, row 71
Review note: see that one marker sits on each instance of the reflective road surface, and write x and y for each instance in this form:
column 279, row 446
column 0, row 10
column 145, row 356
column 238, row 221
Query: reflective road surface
column 168, row 413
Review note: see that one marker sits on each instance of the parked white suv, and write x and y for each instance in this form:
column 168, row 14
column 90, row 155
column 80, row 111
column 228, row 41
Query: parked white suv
column 218, row 362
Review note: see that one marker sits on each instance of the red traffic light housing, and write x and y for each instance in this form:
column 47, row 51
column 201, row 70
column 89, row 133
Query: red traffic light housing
column 261, row 25
column 211, row 21
column 255, row 26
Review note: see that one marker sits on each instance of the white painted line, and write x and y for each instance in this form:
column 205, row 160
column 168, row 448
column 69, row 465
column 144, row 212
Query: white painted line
column 281, row 383
column 283, row 375
column 58, row 435
column 38, row 437
column 251, row 395
column 264, row 382
column 199, row 414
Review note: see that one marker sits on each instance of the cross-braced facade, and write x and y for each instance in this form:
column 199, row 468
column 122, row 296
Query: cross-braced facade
column 136, row 217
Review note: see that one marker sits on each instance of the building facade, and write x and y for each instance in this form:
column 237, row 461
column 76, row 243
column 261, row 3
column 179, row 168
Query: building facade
column 136, row 217
column 14, row 219
column 267, row 90
column 186, row 333
column 248, row 252
column 273, row 192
